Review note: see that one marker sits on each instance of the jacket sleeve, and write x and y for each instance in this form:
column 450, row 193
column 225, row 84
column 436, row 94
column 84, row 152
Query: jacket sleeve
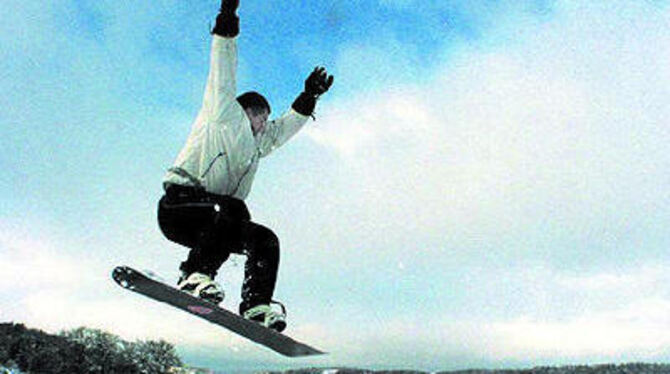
column 221, row 82
column 280, row 130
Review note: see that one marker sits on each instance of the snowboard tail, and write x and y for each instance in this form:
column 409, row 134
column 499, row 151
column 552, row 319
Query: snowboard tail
column 136, row 281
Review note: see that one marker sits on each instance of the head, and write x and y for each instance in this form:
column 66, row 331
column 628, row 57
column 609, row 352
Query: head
column 257, row 109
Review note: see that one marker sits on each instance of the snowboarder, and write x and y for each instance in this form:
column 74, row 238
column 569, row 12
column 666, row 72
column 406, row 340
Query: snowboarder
column 203, row 206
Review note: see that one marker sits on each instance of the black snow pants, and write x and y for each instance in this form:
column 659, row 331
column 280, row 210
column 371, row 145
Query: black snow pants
column 214, row 226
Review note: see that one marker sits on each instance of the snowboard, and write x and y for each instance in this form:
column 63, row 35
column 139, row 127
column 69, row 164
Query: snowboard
column 139, row 282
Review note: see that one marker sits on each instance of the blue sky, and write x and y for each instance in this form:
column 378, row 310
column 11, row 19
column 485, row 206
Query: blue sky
column 485, row 185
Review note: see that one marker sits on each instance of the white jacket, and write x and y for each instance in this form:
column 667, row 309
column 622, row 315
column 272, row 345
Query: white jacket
column 221, row 153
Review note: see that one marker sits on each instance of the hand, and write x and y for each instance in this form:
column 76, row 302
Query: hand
column 229, row 6
column 227, row 23
column 318, row 82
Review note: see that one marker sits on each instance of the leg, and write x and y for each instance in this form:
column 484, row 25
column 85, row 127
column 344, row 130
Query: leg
column 190, row 218
column 214, row 226
column 261, row 246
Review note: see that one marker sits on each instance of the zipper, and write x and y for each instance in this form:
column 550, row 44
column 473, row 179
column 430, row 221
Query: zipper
column 244, row 175
column 221, row 154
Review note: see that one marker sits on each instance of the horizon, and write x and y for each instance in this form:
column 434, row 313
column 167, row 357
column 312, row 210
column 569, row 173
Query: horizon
column 485, row 184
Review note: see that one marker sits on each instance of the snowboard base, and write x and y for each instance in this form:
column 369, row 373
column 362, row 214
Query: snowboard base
column 137, row 281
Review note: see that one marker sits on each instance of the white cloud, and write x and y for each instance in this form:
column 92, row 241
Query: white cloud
column 567, row 320
column 638, row 329
column 548, row 151
column 44, row 285
column 547, row 130
column 27, row 263
column 641, row 280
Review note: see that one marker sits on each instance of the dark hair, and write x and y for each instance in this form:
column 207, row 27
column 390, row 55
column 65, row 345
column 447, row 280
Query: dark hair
column 253, row 99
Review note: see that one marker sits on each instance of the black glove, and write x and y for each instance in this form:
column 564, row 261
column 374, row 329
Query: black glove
column 316, row 85
column 229, row 6
column 318, row 82
column 227, row 22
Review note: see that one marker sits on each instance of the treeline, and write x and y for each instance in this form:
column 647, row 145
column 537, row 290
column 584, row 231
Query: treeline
column 631, row 368
column 82, row 350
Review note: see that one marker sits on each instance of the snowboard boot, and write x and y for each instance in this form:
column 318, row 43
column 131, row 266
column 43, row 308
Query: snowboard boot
column 202, row 286
column 268, row 317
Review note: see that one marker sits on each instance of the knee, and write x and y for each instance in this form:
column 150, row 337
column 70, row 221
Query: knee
column 269, row 238
column 267, row 241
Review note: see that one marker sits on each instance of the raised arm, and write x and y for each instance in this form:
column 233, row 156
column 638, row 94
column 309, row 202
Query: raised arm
column 278, row 131
column 221, row 82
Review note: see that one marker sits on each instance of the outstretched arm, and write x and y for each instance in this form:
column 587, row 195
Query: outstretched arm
column 278, row 131
column 221, row 82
